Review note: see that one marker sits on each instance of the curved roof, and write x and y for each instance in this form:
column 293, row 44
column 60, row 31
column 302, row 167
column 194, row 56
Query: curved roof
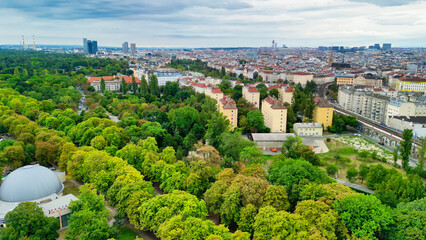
column 29, row 183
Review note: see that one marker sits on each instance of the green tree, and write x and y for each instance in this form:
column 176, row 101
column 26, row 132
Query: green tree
column 291, row 146
column 422, row 152
column 363, row 215
column 255, row 121
column 102, row 85
column 143, row 88
column 217, row 125
column 134, row 85
column 161, row 208
column 28, row 220
column 251, row 155
column 89, row 217
column 274, row 92
column 153, row 87
column 124, row 86
column 332, row 169
column 406, row 146
column 351, row 174
column 395, row 156
column 16, row 72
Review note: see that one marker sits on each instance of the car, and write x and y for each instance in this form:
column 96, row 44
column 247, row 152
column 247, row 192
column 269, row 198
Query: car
column 274, row 150
column 381, row 143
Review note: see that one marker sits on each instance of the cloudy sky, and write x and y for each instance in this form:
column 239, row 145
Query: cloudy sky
column 215, row 23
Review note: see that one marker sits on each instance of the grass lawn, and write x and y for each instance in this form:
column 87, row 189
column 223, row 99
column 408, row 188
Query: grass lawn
column 127, row 234
column 69, row 187
column 345, row 157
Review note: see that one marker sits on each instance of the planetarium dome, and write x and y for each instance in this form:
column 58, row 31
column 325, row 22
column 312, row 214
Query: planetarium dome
column 30, row 183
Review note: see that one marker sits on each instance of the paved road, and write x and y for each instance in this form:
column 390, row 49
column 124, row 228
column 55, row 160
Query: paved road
column 82, row 103
column 355, row 186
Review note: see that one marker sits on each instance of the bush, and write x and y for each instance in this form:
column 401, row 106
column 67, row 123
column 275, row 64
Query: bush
column 332, row 169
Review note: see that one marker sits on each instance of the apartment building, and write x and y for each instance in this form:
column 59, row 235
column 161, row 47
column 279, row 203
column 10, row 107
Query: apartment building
column 274, row 114
column 214, row 93
column 286, row 93
column 300, row 77
column 413, row 84
column 323, row 113
column 252, row 95
column 345, row 80
column 228, row 108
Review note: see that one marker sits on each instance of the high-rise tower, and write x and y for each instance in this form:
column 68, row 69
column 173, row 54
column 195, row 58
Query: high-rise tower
column 85, row 47
column 331, row 57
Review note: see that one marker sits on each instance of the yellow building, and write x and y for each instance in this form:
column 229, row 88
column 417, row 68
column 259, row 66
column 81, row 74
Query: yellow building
column 228, row 108
column 274, row 114
column 214, row 93
column 345, row 80
column 323, row 113
column 407, row 84
column 252, row 95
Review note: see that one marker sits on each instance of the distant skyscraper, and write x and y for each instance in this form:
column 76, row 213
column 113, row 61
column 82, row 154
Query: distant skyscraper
column 86, row 50
column 133, row 48
column 94, row 47
column 387, row 46
column 89, row 46
column 377, row 46
column 125, row 47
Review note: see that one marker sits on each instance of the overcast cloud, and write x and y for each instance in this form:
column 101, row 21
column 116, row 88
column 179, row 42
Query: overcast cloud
column 215, row 23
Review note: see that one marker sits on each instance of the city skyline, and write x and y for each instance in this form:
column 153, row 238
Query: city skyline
column 232, row 23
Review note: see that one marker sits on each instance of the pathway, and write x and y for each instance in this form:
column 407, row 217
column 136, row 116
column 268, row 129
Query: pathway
column 355, row 186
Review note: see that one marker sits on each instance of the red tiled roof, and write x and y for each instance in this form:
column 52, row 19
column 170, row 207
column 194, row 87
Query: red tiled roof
column 275, row 103
column 228, row 103
column 128, row 79
column 216, row 90
column 301, row 73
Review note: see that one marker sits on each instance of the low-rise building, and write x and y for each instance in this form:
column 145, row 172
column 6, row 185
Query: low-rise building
column 252, row 95
column 112, row 83
column 228, row 108
column 308, row 129
column 323, row 113
column 167, row 76
column 274, row 114
column 417, row 124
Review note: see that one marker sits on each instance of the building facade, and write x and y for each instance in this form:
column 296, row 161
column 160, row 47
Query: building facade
column 112, row 83
column 167, row 76
column 274, row 114
column 300, row 77
column 252, row 95
column 228, row 108
column 308, row 129
column 323, row 113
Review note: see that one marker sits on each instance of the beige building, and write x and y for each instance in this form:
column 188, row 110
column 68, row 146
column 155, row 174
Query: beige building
column 275, row 114
column 252, row 95
column 345, row 80
column 307, row 129
column 300, row 77
column 286, row 93
column 228, row 108
column 214, row 93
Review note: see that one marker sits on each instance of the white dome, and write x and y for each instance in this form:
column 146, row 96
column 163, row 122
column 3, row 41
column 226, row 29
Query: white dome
column 30, row 183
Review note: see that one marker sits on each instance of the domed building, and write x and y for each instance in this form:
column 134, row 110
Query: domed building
column 35, row 183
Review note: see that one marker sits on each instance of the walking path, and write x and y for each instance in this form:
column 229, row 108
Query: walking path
column 355, row 186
